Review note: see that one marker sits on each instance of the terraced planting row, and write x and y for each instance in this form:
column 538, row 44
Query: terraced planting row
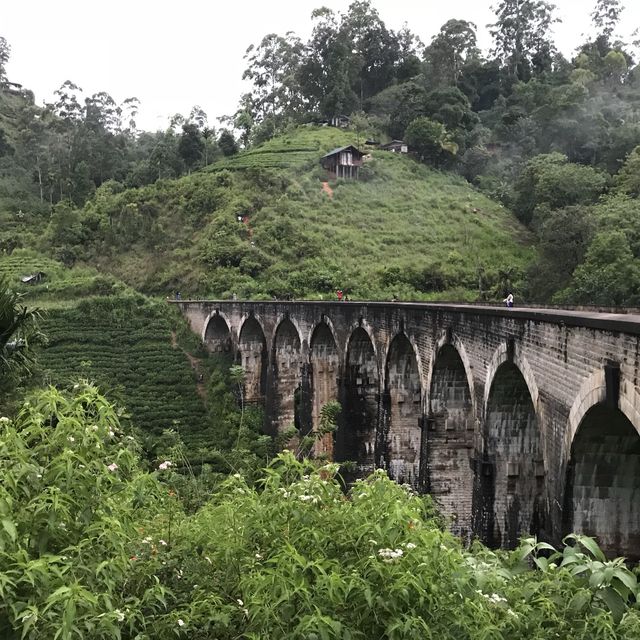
column 60, row 283
column 267, row 160
column 22, row 263
column 130, row 356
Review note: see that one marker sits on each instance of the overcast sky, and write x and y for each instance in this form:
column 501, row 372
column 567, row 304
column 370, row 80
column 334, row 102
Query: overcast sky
column 174, row 54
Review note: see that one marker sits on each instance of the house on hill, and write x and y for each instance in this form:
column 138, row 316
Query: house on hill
column 343, row 162
column 395, row 146
column 33, row 278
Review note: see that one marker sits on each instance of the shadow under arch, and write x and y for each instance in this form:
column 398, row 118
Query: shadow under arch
column 450, row 439
column 286, row 375
column 217, row 335
column 512, row 473
column 252, row 349
column 360, row 397
column 401, row 414
column 602, row 488
column 324, row 370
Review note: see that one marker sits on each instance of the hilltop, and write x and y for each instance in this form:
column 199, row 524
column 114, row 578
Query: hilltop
column 261, row 223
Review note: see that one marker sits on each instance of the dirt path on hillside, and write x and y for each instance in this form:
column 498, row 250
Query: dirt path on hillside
column 196, row 365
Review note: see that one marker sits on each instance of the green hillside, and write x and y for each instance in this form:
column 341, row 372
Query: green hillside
column 262, row 223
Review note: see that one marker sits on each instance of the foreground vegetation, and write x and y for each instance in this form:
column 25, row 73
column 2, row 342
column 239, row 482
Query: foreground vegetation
column 95, row 545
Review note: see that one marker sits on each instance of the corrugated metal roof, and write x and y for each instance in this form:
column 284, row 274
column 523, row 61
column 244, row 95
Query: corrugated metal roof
column 333, row 151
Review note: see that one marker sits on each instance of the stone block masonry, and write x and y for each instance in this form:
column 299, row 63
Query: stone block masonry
column 516, row 421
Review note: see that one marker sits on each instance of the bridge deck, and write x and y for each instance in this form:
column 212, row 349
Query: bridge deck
column 623, row 322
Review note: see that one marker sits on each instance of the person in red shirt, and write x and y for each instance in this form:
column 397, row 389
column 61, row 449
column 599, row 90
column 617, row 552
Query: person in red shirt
column 339, row 294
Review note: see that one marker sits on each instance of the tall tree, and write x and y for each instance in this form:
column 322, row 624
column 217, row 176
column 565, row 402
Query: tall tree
column 273, row 70
column 522, row 39
column 374, row 47
column 227, row 143
column 191, row 145
column 449, row 50
column 606, row 16
column 5, row 53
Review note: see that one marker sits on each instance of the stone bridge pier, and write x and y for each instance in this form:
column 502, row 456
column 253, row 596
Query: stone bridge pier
column 517, row 422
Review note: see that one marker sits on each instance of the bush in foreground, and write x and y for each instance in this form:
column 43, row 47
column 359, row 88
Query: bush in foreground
column 93, row 546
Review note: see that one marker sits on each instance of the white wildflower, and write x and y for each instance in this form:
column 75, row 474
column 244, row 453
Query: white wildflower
column 410, row 545
column 94, row 427
column 111, row 434
column 119, row 615
column 4, row 420
column 511, row 612
column 147, row 540
column 180, row 622
column 162, row 542
column 258, row 556
column 240, row 602
column 390, row 555
column 71, row 439
column 112, row 467
column 494, row 598
column 163, row 466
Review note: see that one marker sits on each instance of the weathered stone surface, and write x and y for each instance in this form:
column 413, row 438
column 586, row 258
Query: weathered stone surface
column 497, row 413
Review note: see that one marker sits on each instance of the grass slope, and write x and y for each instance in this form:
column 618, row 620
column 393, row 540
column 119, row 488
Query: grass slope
column 402, row 229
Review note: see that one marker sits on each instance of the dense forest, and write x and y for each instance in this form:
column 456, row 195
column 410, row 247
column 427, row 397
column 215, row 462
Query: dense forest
column 554, row 140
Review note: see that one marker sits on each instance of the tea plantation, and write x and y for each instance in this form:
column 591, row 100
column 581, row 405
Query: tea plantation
column 124, row 346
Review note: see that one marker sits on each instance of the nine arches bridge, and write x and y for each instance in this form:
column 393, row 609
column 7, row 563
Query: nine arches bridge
column 516, row 421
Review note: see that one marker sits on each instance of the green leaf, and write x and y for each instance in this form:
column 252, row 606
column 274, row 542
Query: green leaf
column 614, row 601
column 591, row 546
column 627, row 578
column 596, row 578
column 9, row 526
column 579, row 601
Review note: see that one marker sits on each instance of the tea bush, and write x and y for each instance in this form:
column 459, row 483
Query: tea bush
column 93, row 547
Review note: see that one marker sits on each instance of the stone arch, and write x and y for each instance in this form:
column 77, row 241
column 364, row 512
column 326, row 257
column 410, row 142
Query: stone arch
column 356, row 439
column 217, row 335
column 402, row 411
column 450, row 438
column 513, row 472
column 594, row 391
column 290, row 321
column 506, row 354
column 324, row 370
column 286, row 365
column 450, row 338
column 328, row 324
column 368, row 330
column 602, row 489
column 252, row 347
